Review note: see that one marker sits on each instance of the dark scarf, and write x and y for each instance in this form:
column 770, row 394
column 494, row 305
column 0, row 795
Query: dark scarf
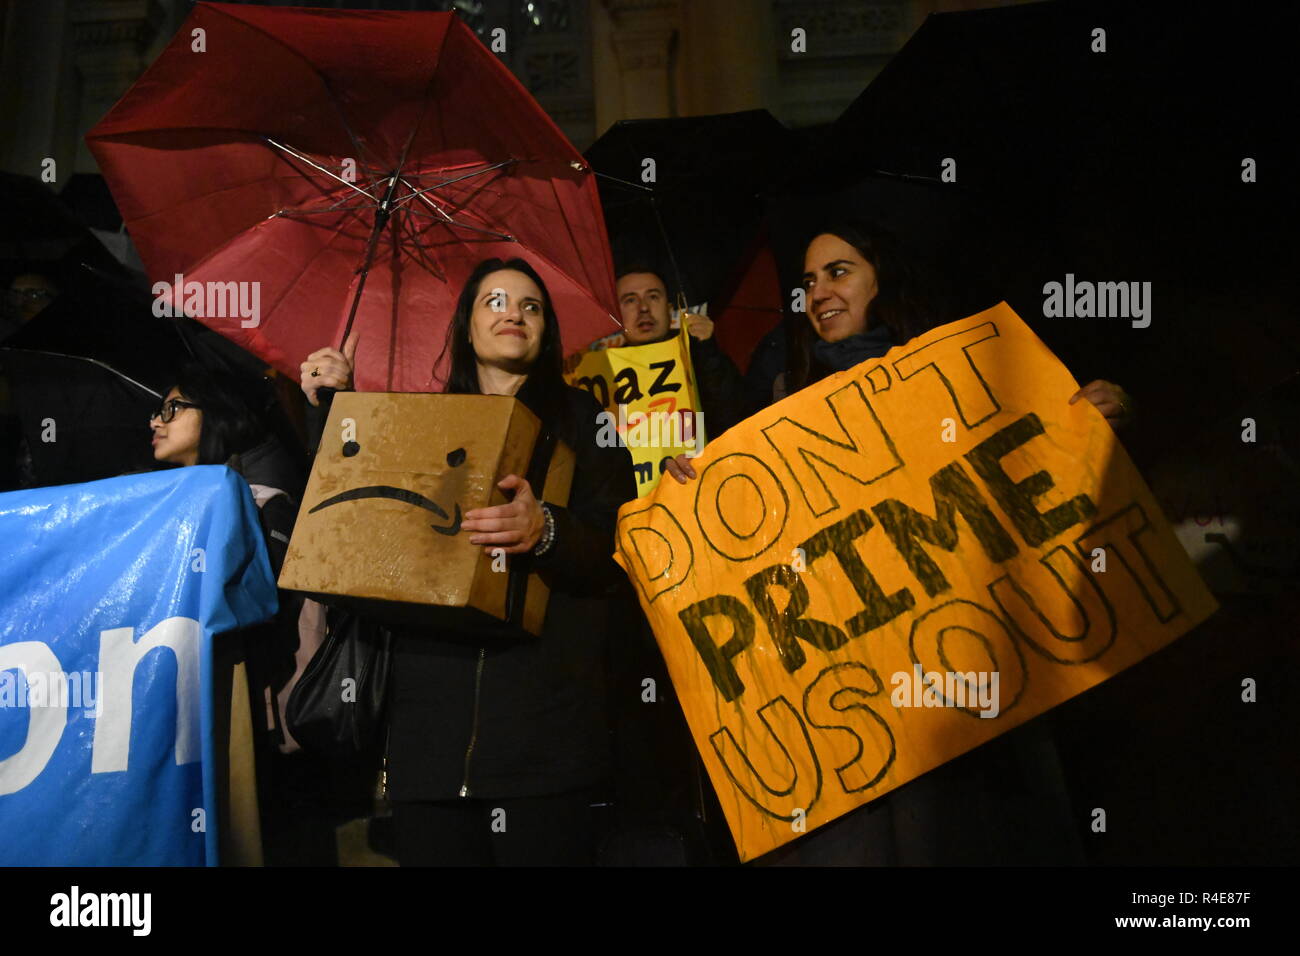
column 856, row 349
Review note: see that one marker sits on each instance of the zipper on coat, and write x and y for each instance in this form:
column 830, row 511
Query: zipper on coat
column 473, row 732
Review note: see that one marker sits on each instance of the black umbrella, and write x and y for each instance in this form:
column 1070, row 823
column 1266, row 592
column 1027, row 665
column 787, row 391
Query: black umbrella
column 702, row 209
column 104, row 320
column 34, row 224
column 79, row 419
column 948, row 232
column 88, row 197
column 101, row 315
column 1122, row 165
column 41, row 234
column 96, row 360
column 965, row 256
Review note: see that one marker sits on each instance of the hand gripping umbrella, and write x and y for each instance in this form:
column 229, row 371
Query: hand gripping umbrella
column 308, row 155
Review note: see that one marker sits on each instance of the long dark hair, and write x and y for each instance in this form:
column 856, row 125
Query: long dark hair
column 903, row 303
column 231, row 423
column 543, row 392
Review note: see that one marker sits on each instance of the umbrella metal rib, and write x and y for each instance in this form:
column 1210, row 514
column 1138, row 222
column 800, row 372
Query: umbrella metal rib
column 337, row 207
column 420, row 193
column 381, row 215
column 416, row 192
column 663, row 233
column 383, row 207
column 93, row 361
column 624, row 182
column 430, row 264
column 504, row 237
column 315, row 165
column 448, row 182
column 427, row 201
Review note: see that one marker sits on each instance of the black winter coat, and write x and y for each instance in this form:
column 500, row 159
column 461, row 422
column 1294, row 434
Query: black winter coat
column 498, row 719
column 722, row 388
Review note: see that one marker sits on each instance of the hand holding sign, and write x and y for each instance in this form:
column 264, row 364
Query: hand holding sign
column 1109, row 399
column 680, row 468
column 895, row 565
column 699, row 326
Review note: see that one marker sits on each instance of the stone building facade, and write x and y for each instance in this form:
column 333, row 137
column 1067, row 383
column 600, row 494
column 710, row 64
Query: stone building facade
column 589, row 63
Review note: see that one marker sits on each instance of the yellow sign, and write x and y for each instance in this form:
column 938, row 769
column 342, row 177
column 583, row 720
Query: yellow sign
column 896, row 565
column 652, row 401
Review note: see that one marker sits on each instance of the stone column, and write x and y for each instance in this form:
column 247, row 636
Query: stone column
column 32, row 73
column 633, row 47
column 728, row 57
column 109, row 39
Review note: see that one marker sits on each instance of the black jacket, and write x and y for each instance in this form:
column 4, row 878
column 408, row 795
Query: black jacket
column 722, row 388
column 512, row 718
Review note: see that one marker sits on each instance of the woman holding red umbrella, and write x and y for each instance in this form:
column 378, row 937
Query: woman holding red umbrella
column 498, row 748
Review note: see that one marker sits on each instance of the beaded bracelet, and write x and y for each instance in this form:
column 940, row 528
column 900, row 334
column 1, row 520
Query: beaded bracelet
column 548, row 533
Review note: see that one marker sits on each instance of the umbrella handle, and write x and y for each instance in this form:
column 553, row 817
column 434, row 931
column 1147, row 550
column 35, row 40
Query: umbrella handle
column 381, row 220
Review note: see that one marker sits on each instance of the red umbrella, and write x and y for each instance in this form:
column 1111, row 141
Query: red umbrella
column 752, row 304
column 300, row 150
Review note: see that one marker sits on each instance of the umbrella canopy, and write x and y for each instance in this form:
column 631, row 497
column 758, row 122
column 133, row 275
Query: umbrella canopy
column 81, row 418
column 42, row 234
column 101, row 321
column 103, row 315
column 304, row 150
column 100, row 315
column 752, row 305
column 947, row 231
column 36, row 225
column 702, row 210
column 89, row 199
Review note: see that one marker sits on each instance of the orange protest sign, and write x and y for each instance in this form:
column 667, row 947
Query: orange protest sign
column 896, row 565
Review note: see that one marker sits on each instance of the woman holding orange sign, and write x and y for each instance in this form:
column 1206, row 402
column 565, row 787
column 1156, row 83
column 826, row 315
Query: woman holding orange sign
column 1006, row 802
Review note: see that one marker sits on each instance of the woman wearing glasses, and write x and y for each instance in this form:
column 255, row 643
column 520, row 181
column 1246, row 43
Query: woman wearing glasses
column 178, row 445
column 497, row 745
column 211, row 419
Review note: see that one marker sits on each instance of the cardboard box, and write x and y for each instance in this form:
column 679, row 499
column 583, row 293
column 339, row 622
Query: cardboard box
column 379, row 526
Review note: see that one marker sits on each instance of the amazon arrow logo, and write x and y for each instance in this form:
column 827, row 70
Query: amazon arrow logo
column 397, row 494
column 454, row 459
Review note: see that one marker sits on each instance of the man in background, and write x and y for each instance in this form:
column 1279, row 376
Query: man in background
column 643, row 303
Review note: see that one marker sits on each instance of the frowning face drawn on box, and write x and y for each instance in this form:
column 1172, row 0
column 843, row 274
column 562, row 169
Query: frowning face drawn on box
column 455, row 459
column 382, row 514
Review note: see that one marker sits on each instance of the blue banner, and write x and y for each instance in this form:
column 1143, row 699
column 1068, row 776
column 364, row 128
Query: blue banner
column 111, row 593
